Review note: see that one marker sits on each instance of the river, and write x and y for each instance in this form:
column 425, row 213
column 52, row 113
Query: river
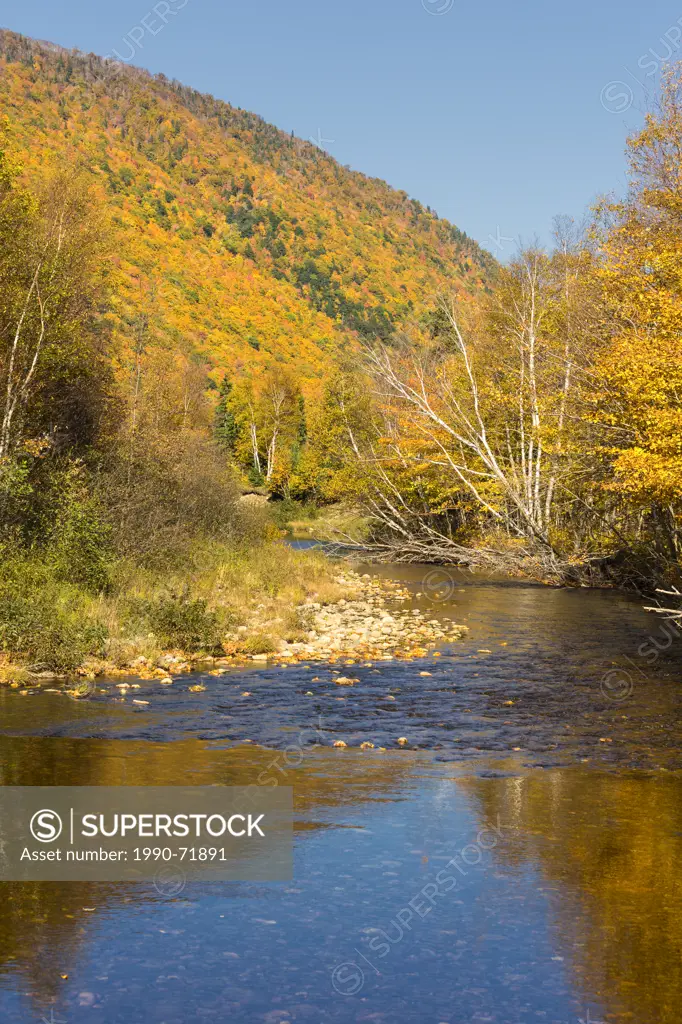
column 543, row 761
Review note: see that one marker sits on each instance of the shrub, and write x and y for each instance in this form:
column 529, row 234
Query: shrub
column 285, row 510
column 298, row 623
column 80, row 550
column 10, row 673
column 259, row 643
column 179, row 622
column 178, row 487
column 44, row 621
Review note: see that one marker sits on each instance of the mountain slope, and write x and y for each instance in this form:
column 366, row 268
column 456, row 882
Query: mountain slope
column 235, row 239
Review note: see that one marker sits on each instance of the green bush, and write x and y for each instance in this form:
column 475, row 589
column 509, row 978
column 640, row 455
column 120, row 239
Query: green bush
column 80, row 550
column 288, row 510
column 44, row 621
column 259, row 643
column 179, row 622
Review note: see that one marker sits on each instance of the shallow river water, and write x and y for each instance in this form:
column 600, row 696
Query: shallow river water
column 562, row 813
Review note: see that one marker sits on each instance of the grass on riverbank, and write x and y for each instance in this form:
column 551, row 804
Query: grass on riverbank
column 221, row 600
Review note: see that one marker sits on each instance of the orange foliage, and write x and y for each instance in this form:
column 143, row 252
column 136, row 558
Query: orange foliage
column 251, row 247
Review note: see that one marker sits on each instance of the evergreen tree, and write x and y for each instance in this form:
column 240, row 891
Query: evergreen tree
column 225, row 429
column 302, row 435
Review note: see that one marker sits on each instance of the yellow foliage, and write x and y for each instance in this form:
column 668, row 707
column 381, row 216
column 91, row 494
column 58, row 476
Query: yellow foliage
column 641, row 276
column 251, row 247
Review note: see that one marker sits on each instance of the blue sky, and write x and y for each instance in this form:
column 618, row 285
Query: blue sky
column 498, row 115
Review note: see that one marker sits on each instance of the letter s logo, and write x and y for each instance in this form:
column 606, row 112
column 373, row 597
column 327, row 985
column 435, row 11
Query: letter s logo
column 46, row 826
column 617, row 97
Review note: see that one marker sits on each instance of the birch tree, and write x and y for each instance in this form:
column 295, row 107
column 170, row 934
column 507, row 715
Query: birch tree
column 50, row 277
column 486, row 410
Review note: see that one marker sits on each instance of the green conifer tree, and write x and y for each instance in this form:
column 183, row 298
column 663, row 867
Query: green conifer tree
column 225, row 427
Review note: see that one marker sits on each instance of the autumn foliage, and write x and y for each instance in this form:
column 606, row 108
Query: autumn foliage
column 252, row 246
column 196, row 303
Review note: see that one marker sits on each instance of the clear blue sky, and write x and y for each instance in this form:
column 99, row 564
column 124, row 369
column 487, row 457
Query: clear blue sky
column 498, row 115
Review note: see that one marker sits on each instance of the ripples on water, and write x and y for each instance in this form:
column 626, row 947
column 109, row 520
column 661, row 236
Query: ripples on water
column 575, row 910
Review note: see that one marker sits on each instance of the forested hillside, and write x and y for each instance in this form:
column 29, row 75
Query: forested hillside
column 192, row 302
column 232, row 238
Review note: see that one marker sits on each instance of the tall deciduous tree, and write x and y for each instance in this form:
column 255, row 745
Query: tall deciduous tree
column 483, row 405
column 642, row 279
column 51, row 352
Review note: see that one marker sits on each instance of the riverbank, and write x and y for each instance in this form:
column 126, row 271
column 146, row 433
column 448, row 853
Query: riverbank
column 151, row 622
column 269, row 603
